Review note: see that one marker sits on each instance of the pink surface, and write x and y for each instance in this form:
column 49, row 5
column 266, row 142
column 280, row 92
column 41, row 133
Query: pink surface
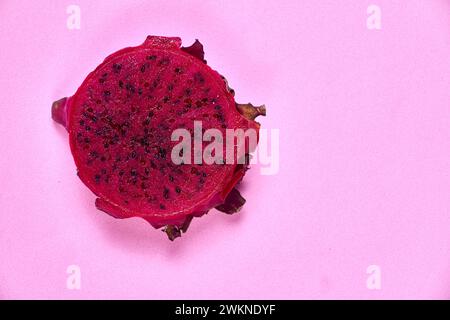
column 364, row 179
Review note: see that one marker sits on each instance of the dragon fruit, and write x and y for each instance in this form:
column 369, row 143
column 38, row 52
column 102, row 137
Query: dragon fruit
column 120, row 122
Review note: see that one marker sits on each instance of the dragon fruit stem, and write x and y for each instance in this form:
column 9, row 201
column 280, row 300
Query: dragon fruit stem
column 59, row 111
column 174, row 232
column 233, row 202
column 251, row 112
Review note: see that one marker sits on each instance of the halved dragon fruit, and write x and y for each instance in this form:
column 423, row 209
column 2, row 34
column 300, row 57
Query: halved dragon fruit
column 120, row 123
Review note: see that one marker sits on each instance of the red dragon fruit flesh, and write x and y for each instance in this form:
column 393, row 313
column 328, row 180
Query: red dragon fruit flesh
column 120, row 123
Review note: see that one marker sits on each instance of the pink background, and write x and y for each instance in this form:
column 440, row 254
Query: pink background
column 364, row 119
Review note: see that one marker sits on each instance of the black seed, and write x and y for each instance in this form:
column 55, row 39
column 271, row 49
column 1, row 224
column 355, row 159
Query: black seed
column 166, row 193
column 177, row 190
column 217, row 107
column 93, row 154
column 219, row 117
column 171, row 179
column 152, row 57
column 87, row 140
column 161, row 206
column 133, row 154
column 90, row 109
column 81, row 122
column 116, row 67
column 198, row 77
column 133, row 172
column 140, row 91
column 102, row 158
column 103, row 171
column 170, row 87
column 130, row 87
column 121, row 83
column 144, row 141
column 97, row 178
column 162, row 152
column 178, row 70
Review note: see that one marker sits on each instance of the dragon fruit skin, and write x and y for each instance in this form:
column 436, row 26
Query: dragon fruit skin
column 120, row 121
